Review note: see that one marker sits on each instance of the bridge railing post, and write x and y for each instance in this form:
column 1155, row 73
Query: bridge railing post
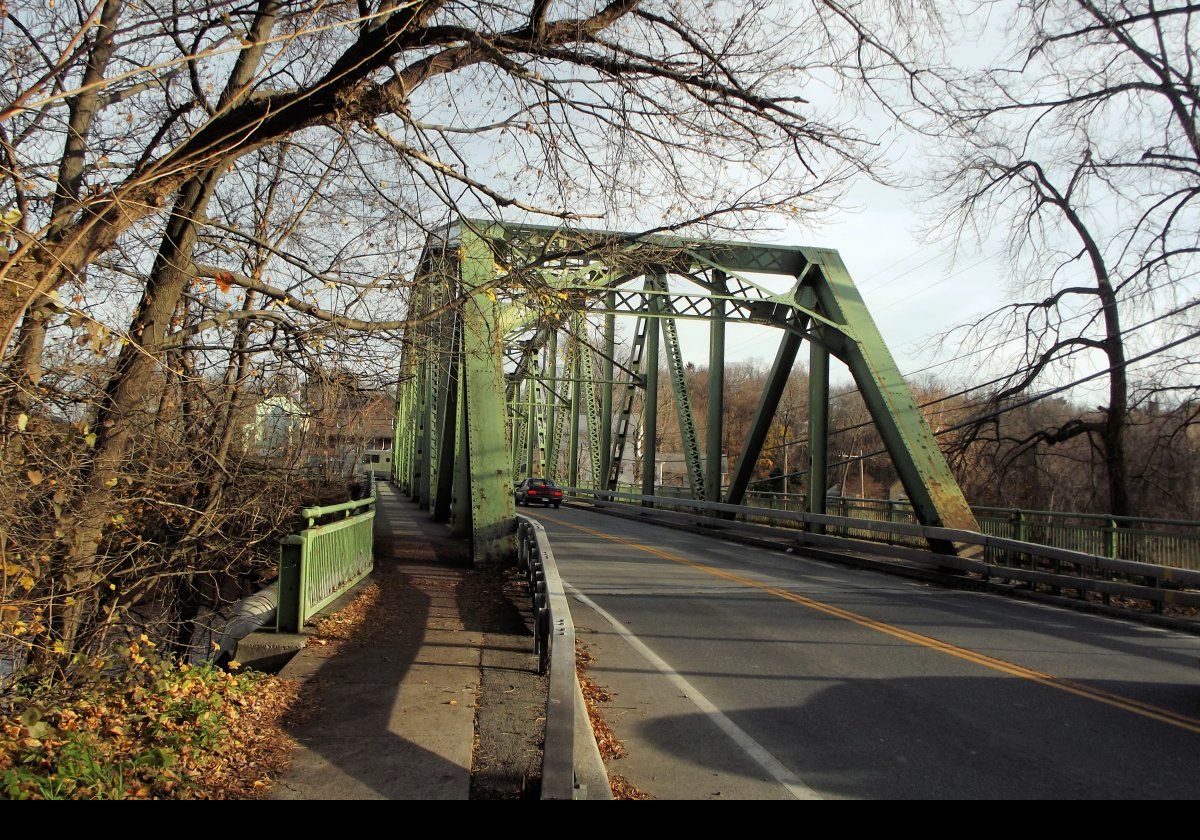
column 291, row 564
column 1111, row 549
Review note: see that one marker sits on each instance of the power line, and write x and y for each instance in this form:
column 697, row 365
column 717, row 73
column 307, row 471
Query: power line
column 979, row 350
column 905, row 273
column 1020, row 404
column 996, row 346
column 1000, row 344
column 1078, row 349
column 932, row 285
column 963, row 392
column 861, row 287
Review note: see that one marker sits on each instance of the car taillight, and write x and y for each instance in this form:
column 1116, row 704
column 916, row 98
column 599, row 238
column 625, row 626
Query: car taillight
column 532, row 492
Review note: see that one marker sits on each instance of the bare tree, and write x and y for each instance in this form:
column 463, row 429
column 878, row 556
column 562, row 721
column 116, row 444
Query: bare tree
column 1080, row 144
column 209, row 201
column 660, row 83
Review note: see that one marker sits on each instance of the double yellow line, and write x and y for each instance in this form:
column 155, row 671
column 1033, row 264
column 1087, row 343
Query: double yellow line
column 1127, row 704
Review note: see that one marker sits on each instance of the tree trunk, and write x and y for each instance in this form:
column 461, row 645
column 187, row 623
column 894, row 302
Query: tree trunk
column 128, row 399
column 1116, row 418
column 26, row 369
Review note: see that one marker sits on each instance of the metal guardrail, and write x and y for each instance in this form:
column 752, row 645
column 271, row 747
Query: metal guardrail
column 334, row 552
column 1025, row 561
column 554, row 640
column 1160, row 542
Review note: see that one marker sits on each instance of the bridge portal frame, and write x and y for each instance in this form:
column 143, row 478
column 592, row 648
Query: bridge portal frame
column 481, row 399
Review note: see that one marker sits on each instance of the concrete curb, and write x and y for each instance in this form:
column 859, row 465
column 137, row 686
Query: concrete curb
column 264, row 650
column 590, row 773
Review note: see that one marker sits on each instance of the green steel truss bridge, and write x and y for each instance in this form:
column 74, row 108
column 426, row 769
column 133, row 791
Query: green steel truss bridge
column 515, row 359
column 514, row 367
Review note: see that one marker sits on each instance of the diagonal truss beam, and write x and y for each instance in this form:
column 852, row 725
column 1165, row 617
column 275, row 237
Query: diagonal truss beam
column 689, row 440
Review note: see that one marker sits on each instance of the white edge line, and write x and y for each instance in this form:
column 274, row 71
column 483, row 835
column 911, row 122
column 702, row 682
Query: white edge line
column 752, row 748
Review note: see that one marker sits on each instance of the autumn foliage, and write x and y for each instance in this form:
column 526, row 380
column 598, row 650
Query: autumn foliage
column 141, row 726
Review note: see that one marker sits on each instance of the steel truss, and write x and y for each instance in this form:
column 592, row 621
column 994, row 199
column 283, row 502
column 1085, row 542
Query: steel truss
column 509, row 360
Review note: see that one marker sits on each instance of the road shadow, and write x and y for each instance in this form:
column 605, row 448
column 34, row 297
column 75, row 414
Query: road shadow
column 946, row 738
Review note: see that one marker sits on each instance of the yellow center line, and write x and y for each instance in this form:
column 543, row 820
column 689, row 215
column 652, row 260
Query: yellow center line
column 1137, row 707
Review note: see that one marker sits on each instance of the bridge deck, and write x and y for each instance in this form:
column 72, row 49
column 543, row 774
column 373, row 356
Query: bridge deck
column 746, row 672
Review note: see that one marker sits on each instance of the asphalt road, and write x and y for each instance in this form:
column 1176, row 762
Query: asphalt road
column 747, row 673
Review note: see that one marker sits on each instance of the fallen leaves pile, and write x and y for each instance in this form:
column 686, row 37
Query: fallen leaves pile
column 622, row 788
column 610, row 747
column 593, row 697
column 144, row 727
column 349, row 623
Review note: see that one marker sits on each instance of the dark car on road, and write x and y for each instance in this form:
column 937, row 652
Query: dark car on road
column 538, row 490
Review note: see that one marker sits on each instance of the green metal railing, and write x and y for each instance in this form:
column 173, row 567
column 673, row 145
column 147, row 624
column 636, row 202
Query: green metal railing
column 1161, row 542
column 993, row 558
column 333, row 552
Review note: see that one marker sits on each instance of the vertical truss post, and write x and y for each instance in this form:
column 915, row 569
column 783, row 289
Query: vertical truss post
column 512, row 393
column 400, row 439
column 402, row 426
column 573, row 351
column 398, row 417
column 460, row 505
column 688, row 438
column 437, row 370
column 551, row 469
column 588, row 375
column 408, row 453
column 716, row 393
column 624, row 419
column 429, row 411
column 438, row 360
column 563, row 413
column 818, row 426
column 531, row 427
column 607, row 370
column 429, row 430
column 493, row 518
column 516, row 425
column 785, row 357
column 409, row 430
column 448, row 440
column 416, row 397
column 540, row 408
column 421, row 446
column 650, row 403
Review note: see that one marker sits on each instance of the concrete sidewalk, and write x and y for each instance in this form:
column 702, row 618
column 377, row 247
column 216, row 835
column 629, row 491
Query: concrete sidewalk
column 393, row 714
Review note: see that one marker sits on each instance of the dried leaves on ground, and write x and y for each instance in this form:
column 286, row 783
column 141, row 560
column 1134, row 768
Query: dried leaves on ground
column 594, row 696
column 349, row 623
column 143, row 727
column 622, row 788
